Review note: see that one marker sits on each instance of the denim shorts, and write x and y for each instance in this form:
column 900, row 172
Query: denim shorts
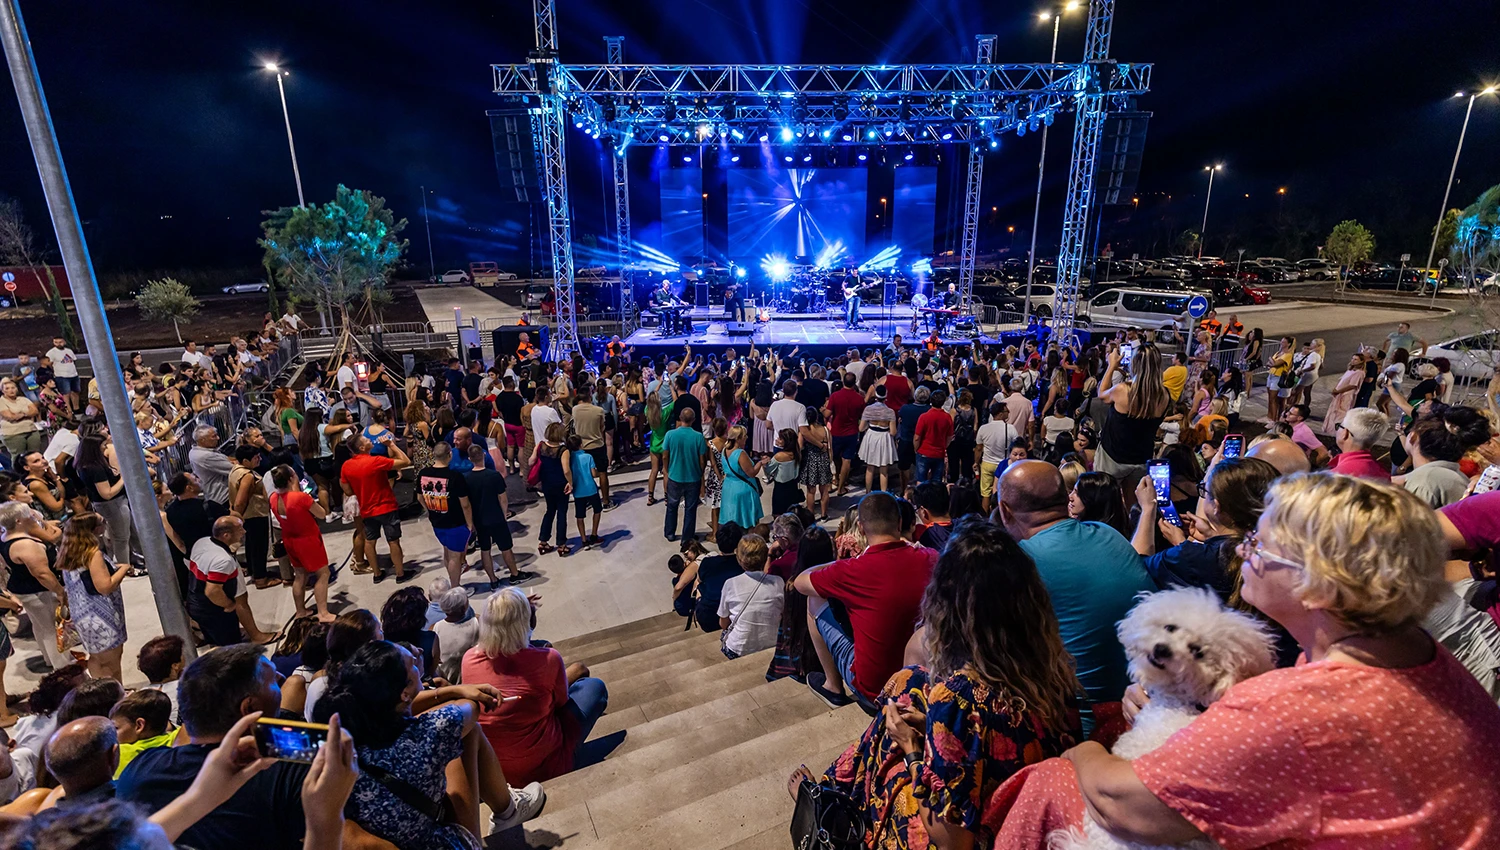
column 840, row 645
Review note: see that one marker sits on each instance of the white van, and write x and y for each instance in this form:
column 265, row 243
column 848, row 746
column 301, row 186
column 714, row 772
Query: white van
column 1148, row 309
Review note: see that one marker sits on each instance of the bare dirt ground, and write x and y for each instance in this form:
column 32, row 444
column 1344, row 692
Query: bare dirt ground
column 30, row 327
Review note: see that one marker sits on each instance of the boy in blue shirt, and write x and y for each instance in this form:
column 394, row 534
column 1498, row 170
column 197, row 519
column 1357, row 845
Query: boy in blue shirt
column 585, row 490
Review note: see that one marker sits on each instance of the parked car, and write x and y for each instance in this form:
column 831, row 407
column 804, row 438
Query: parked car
column 454, row 276
column 1472, row 357
column 1141, row 308
column 247, row 287
column 534, row 294
column 1316, row 269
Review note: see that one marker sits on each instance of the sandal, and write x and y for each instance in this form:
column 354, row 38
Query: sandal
column 543, row 548
column 650, row 500
column 564, row 550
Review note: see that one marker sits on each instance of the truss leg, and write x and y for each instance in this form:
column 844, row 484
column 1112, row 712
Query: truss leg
column 614, row 53
column 984, row 55
column 553, row 125
column 1087, row 131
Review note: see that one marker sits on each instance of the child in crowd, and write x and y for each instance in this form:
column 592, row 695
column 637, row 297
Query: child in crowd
column 161, row 661
column 750, row 604
column 585, row 491
column 143, row 719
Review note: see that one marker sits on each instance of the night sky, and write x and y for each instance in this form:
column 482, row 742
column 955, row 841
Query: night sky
column 173, row 136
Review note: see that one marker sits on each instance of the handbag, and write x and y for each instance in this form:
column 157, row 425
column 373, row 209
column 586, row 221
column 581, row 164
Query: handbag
column 451, row 834
column 826, row 819
column 67, row 635
column 752, row 480
column 534, row 475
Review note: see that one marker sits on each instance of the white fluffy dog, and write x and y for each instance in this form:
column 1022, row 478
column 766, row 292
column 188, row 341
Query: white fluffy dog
column 1186, row 649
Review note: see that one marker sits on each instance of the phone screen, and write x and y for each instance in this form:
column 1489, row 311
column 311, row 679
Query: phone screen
column 1234, row 445
column 1161, row 480
column 289, row 740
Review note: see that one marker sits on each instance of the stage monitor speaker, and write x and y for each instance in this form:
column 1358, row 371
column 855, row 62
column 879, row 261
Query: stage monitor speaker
column 739, row 328
column 700, row 295
column 1120, row 151
column 889, row 296
column 507, row 337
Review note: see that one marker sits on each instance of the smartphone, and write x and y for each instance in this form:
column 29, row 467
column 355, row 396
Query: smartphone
column 1233, row 446
column 1161, row 480
column 289, row 740
column 1488, row 479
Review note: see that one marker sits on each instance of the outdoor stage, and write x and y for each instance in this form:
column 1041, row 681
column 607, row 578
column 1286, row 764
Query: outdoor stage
column 815, row 333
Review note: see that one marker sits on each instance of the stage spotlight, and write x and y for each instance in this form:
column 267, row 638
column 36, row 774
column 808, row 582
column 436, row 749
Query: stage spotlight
column 739, row 271
column 841, row 111
column 904, row 109
column 863, row 156
column 788, row 157
column 1021, row 129
column 737, row 135
column 871, row 133
column 786, row 134
column 687, row 159
column 669, row 111
column 947, row 134
column 735, row 158
column 578, row 123
column 764, row 137
column 888, row 129
column 909, row 156
column 994, row 144
column 664, row 136
column 730, row 109
column 1047, row 118
column 848, row 137
column 807, row 157
column 610, row 110
column 827, row 134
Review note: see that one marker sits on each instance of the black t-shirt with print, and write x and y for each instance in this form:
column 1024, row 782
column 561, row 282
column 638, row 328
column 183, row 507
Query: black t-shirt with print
column 440, row 490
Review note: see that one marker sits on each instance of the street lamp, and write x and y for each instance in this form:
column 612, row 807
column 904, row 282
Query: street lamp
column 1036, row 216
column 1432, row 249
column 280, row 87
column 1203, row 231
column 1012, row 230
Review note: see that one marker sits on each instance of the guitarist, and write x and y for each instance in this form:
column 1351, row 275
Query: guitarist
column 734, row 303
column 851, row 303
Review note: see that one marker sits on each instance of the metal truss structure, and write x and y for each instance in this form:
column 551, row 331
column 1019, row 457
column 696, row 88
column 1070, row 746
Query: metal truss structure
column 817, row 105
column 985, row 54
column 614, row 49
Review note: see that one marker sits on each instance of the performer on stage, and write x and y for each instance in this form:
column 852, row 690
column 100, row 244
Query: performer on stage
column 851, row 306
column 734, row 303
column 949, row 300
column 668, row 307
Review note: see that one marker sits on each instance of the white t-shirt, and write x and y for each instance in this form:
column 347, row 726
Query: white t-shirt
column 64, row 362
column 857, row 369
column 294, row 321
column 315, row 691
column 541, row 416
column 22, row 775
column 191, row 358
column 752, row 602
column 64, row 442
column 787, row 413
column 32, row 731
column 344, row 377
column 210, row 559
column 247, row 357
column 170, row 689
column 995, row 436
column 1052, row 426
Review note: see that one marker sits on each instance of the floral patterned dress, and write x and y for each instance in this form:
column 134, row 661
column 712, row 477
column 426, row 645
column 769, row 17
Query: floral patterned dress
column 974, row 742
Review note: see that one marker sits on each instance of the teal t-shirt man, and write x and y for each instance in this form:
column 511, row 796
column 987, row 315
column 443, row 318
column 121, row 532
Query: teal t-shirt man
column 1093, row 575
column 687, row 452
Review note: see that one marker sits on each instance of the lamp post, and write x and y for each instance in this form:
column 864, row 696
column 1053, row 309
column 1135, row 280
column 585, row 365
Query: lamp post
column 280, row 87
column 1203, row 231
column 1041, row 166
column 1432, row 249
column 427, row 224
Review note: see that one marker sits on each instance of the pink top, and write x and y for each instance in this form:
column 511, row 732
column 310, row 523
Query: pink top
column 1337, row 755
column 533, row 737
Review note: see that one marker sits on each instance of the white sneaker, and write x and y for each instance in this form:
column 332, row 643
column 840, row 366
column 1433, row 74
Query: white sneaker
column 333, row 517
column 528, row 804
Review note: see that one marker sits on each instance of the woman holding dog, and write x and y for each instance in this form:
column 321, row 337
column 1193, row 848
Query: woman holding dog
column 997, row 693
column 1380, row 738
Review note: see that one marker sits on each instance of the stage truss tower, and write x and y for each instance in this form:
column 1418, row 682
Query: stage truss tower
column 826, row 105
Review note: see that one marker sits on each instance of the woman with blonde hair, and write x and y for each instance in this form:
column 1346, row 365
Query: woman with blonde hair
column 1380, row 738
column 94, row 599
column 548, row 708
column 1281, row 378
column 1135, row 409
column 739, row 500
column 659, row 419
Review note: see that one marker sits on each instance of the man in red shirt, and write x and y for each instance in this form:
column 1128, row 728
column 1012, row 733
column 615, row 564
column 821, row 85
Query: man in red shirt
column 843, row 410
column 1360, row 430
column 897, row 389
column 934, row 432
column 367, row 478
column 882, row 592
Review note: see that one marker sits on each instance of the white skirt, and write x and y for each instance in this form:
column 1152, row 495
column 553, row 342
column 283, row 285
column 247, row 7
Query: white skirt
column 878, row 448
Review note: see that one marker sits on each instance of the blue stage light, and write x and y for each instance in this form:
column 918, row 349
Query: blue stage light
column 776, row 266
column 786, row 134
column 664, row 136
column 687, row 159
column 735, row 158
column 578, row 124
column 807, row 158
column 739, row 272
column 947, row 134
column 994, row 144
column 871, row 134
column 908, row 156
column 788, row 157
column 863, row 156
column 827, row 134
column 738, row 136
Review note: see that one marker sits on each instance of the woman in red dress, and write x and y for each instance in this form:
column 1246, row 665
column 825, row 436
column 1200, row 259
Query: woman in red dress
column 298, row 513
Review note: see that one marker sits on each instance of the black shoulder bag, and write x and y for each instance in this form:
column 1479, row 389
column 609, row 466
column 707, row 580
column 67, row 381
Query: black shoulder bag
column 826, row 819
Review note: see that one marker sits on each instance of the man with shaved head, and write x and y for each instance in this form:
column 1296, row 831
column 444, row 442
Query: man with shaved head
column 1280, row 452
column 83, row 755
column 1091, row 572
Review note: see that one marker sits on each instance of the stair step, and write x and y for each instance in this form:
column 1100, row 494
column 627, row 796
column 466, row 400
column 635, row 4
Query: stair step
column 660, row 681
column 777, row 837
column 644, row 731
column 723, row 819
column 666, row 743
column 645, row 798
column 742, row 679
column 635, row 628
column 693, row 645
column 630, row 646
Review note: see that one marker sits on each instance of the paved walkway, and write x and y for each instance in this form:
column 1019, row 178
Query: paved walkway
column 439, row 302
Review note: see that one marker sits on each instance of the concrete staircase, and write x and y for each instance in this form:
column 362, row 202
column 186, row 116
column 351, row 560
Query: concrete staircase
column 703, row 747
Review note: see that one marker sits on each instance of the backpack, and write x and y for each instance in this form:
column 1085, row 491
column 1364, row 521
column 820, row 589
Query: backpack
column 963, row 426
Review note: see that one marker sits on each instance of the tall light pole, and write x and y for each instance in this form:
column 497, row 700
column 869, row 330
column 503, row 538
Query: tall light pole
column 1443, row 210
column 426, row 223
column 280, row 87
column 1041, row 167
column 1203, row 231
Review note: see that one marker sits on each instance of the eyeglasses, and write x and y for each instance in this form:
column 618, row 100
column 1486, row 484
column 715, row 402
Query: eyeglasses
column 1250, row 547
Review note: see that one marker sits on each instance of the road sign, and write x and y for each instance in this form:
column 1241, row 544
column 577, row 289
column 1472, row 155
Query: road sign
column 1135, row 256
column 10, row 286
column 1197, row 306
column 1405, row 258
column 8, row 277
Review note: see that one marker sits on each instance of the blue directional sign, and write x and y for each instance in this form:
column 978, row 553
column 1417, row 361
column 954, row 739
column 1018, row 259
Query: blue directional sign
column 1197, row 306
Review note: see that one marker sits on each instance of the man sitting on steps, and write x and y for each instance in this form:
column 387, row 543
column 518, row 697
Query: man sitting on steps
column 881, row 590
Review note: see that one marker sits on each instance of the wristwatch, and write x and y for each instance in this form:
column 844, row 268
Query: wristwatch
column 912, row 760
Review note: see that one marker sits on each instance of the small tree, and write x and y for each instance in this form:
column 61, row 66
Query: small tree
column 19, row 247
column 1187, row 242
column 332, row 254
column 1349, row 243
column 1447, row 233
column 168, row 299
